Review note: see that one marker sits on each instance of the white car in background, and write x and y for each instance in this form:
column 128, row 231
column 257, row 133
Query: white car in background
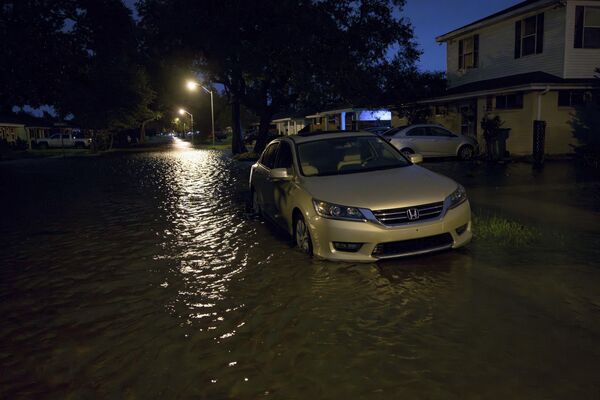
column 58, row 141
column 432, row 141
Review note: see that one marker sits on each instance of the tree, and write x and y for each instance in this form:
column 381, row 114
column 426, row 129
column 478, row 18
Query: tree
column 80, row 56
column 332, row 51
column 110, row 89
column 406, row 86
column 36, row 38
column 586, row 125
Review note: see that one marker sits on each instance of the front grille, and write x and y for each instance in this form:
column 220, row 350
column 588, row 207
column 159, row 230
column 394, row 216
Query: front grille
column 413, row 245
column 397, row 216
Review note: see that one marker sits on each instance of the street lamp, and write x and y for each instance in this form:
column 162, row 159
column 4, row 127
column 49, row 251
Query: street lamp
column 181, row 112
column 193, row 86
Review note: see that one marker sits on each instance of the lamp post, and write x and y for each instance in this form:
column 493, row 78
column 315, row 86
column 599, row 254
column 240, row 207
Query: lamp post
column 181, row 112
column 192, row 86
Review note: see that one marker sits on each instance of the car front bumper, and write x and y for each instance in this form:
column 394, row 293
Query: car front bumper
column 325, row 232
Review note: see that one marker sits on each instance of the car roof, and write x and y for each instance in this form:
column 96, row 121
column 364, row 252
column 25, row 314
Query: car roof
column 314, row 136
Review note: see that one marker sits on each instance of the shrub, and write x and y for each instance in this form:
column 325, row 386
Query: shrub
column 586, row 129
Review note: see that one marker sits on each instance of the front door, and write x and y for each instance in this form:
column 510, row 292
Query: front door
column 263, row 183
column 281, row 189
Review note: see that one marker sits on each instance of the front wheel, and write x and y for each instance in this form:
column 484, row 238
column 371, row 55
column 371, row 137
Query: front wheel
column 302, row 235
column 466, row 153
column 256, row 210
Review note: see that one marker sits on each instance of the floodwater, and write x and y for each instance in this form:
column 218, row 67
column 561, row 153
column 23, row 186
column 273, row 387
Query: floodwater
column 142, row 276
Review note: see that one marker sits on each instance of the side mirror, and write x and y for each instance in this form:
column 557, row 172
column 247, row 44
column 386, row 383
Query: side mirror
column 280, row 174
column 416, row 158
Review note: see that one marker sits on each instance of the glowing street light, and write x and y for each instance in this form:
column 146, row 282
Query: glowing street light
column 193, row 86
column 182, row 112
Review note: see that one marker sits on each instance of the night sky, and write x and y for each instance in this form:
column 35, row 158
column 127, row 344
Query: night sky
column 431, row 18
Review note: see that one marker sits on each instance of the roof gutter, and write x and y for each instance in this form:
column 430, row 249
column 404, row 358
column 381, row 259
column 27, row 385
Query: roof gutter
column 521, row 88
column 494, row 20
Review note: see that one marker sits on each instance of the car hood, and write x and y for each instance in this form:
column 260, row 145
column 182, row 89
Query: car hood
column 378, row 190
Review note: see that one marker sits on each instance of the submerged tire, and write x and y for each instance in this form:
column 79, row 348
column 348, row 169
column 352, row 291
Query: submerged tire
column 302, row 235
column 255, row 205
column 466, row 152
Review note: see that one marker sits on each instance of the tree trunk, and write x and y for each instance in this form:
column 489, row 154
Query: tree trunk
column 263, row 133
column 143, row 130
column 237, row 141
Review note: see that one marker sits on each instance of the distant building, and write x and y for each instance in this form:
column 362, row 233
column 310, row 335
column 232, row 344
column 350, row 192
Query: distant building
column 533, row 61
column 289, row 125
column 349, row 119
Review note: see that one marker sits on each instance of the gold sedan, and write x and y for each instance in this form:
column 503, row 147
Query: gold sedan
column 354, row 197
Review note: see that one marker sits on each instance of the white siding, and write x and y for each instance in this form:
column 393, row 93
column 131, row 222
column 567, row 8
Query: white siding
column 580, row 63
column 497, row 47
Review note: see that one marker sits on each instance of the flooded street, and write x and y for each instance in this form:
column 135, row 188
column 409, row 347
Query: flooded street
column 143, row 276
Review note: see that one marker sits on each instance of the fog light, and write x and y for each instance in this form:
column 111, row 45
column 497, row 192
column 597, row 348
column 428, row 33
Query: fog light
column 345, row 246
column 461, row 229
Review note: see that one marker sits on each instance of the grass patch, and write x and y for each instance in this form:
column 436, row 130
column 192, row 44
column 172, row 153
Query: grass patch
column 503, row 231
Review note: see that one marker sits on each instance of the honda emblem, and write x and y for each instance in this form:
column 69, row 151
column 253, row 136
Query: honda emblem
column 413, row 214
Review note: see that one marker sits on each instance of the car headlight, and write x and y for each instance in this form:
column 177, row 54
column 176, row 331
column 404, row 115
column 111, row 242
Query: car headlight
column 457, row 197
column 336, row 211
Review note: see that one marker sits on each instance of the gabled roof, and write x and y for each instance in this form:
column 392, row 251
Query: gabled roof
column 517, row 9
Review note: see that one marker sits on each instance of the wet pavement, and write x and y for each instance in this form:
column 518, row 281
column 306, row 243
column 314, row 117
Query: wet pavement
column 143, row 276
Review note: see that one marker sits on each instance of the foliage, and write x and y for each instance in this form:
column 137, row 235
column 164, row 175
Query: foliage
column 491, row 126
column 333, row 51
column 503, row 231
column 586, row 126
column 79, row 56
column 407, row 86
column 35, row 44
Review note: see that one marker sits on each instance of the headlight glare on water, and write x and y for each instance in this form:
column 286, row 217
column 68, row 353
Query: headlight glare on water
column 336, row 211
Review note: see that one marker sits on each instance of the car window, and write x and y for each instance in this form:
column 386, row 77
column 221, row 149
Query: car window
column 55, row 137
column 435, row 131
column 419, row 131
column 393, row 131
column 268, row 157
column 284, row 157
column 347, row 155
column 65, row 136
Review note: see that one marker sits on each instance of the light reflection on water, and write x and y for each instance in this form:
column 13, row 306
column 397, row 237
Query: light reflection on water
column 142, row 276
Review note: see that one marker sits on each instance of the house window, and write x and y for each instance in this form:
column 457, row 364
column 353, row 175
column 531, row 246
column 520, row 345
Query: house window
column 571, row 98
column 529, row 36
column 468, row 52
column 587, row 27
column 509, row 101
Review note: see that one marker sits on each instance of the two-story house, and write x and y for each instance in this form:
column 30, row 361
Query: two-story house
column 533, row 61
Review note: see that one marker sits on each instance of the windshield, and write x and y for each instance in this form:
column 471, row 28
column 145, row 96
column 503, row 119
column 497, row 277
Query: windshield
column 348, row 155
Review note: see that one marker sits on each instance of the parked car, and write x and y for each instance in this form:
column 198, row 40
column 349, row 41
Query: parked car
column 378, row 130
column 59, row 140
column 432, row 141
column 352, row 196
